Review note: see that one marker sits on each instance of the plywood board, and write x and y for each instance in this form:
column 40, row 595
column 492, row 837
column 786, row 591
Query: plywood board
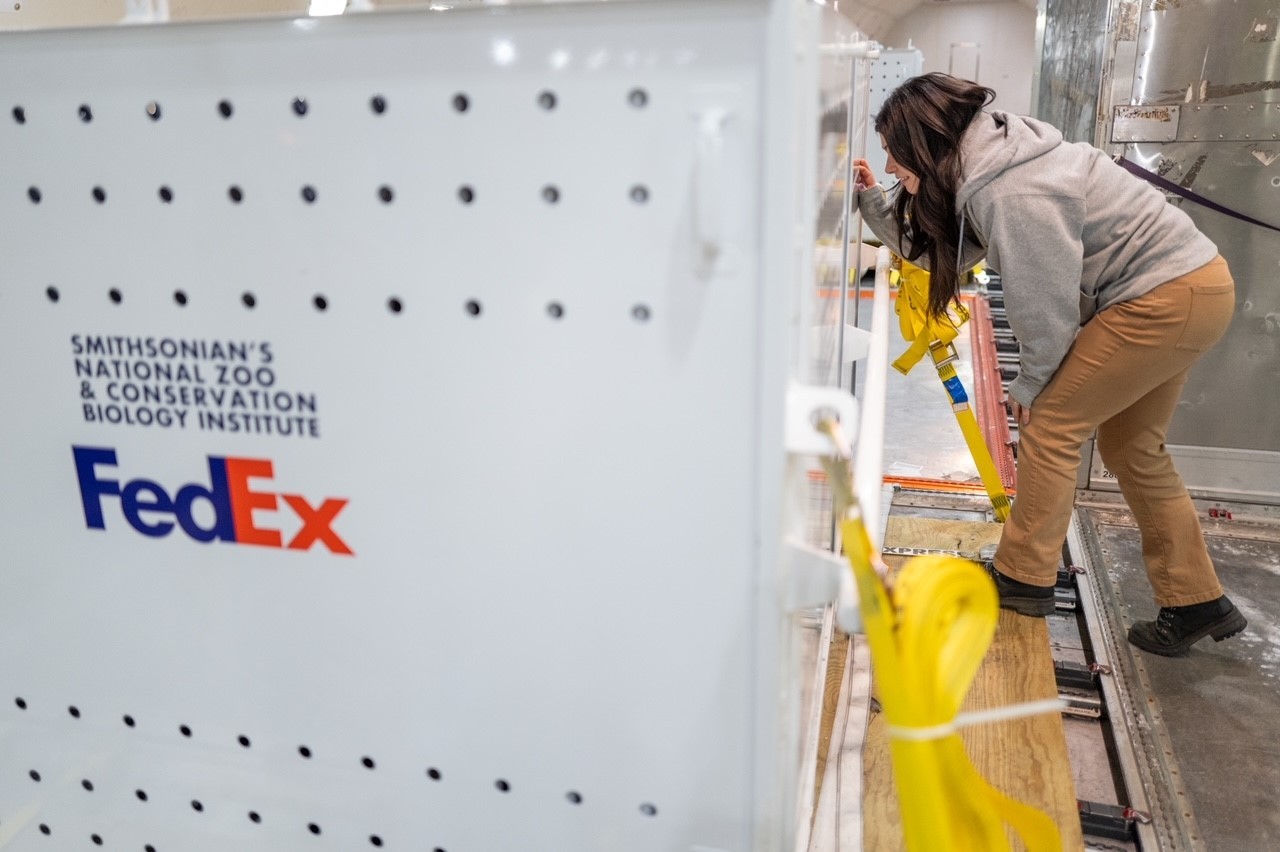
column 1024, row 758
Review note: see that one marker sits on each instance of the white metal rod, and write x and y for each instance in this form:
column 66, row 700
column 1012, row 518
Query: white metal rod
column 868, row 463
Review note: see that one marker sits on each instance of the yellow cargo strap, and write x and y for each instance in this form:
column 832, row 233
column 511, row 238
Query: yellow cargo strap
column 936, row 336
column 927, row 639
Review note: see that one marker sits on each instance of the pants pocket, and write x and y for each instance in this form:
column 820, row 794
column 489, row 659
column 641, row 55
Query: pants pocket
column 1209, row 309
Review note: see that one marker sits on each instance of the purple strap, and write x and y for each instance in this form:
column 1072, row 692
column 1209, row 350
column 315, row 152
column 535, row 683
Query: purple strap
column 1170, row 186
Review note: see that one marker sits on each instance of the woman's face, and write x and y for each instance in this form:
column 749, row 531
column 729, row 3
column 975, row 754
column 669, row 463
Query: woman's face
column 910, row 180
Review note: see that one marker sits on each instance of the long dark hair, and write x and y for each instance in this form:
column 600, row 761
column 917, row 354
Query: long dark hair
column 922, row 121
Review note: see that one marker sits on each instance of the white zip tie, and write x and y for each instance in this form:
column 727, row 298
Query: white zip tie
column 977, row 717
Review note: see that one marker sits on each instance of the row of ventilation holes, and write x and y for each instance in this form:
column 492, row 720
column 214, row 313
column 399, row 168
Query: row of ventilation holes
column 466, row 194
column 638, row 98
column 555, row 310
column 546, row 99
column 434, row 774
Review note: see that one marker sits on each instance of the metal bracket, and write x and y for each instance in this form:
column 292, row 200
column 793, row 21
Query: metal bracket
column 812, row 575
column 816, row 577
column 805, row 406
column 1113, row 822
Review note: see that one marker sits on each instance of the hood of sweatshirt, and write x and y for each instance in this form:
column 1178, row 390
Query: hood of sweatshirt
column 996, row 141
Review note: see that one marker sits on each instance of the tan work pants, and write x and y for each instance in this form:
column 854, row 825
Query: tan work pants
column 1123, row 377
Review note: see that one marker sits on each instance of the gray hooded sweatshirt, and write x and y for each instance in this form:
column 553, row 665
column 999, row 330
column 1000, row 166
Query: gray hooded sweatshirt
column 1069, row 231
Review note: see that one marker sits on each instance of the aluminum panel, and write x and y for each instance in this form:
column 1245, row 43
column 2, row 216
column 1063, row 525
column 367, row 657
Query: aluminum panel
column 1215, row 63
column 1237, row 122
column 1070, row 67
column 1238, row 375
column 465, row 244
column 1207, row 52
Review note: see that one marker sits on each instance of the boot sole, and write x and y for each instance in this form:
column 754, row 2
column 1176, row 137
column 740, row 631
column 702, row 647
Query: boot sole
column 1224, row 628
column 1031, row 607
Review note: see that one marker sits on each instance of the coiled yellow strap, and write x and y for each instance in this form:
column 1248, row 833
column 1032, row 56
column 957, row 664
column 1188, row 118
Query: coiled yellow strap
column 926, row 647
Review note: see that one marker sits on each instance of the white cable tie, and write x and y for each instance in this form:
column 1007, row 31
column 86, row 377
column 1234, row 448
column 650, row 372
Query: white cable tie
column 977, row 717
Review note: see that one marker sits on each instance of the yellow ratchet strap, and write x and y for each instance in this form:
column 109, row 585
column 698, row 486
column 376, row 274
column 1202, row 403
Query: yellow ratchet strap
column 936, row 336
column 926, row 646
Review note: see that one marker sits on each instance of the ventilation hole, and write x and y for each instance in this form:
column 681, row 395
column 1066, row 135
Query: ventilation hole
column 473, row 308
column 20, row 115
column 547, row 100
column 249, row 300
column 467, row 194
column 87, row 784
column 502, row 785
column 180, row 297
column 550, row 194
column 322, row 304
column 22, row 702
column 375, row 840
column 34, row 194
column 648, row 809
column 641, row 313
column 300, row 106
column 395, row 305
column 574, row 797
column 141, row 794
column 153, row 110
column 555, row 310
column 309, row 194
column 86, row 114
column 378, row 104
column 255, row 817
column 638, row 98
column 196, row 806
column 385, row 193
column 225, row 108
column 116, row 297
column 45, row 830
column 166, row 195
column 368, row 762
column 313, row 828
column 434, row 774
column 243, row 740
column 52, row 293
column 128, row 720
column 236, row 194
column 460, row 103
column 186, row 731
column 35, row 776
column 639, row 194
column 97, row 839
column 73, row 710
column 304, row 751
column 99, row 194
column 148, row 848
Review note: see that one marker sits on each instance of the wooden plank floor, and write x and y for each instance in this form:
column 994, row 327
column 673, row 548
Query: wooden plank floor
column 1024, row 758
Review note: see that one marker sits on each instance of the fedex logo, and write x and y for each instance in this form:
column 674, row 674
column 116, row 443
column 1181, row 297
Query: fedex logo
column 233, row 497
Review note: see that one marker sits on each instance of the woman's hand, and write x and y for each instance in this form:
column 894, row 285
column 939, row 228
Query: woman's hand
column 863, row 177
column 1021, row 414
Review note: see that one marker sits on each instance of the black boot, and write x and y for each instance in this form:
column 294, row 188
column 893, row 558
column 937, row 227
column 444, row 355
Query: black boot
column 1177, row 628
column 1023, row 598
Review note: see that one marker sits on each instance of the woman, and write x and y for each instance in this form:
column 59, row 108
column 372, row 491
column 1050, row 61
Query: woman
column 1112, row 293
